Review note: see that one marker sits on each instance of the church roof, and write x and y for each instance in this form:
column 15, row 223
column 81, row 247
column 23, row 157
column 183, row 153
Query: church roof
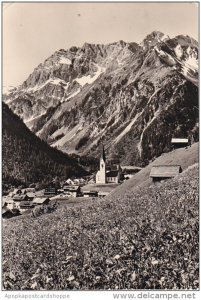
column 112, row 174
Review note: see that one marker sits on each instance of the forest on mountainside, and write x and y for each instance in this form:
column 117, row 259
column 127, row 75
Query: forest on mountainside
column 26, row 159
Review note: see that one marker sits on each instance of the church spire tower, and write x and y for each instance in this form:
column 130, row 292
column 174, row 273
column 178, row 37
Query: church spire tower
column 101, row 174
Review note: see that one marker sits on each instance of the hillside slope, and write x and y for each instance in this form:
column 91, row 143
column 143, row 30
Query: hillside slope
column 27, row 159
column 183, row 157
column 145, row 240
column 123, row 95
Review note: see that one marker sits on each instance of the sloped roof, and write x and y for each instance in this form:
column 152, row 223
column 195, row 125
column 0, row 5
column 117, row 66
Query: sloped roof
column 71, row 187
column 165, row 171
column 39, row 200
column 6, row 210
column 103, row 154
column 26, row 203
column 90, row 192
column 19, row 197
column 112, row 174
column 178, row 140
column 31, row 194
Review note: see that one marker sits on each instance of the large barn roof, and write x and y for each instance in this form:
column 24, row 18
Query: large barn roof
column 178, row 140
column 165, row 171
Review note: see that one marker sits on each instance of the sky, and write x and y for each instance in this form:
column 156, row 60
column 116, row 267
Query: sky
column 34, row 31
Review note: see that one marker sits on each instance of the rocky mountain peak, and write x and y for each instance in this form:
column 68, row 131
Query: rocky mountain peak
column 123, row 95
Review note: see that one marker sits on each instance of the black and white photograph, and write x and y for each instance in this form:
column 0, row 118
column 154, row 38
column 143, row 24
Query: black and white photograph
column 100, row 147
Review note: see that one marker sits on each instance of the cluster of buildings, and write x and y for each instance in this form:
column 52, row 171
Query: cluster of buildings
column 20, row 200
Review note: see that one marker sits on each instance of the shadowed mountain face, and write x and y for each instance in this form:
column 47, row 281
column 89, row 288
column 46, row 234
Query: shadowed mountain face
column 132, row 98
column 27, row 159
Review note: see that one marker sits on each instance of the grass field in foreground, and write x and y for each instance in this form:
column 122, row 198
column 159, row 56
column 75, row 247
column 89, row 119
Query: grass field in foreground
column 146, row 239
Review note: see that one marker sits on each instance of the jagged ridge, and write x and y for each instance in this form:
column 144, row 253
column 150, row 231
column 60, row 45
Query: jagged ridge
column 122, row 94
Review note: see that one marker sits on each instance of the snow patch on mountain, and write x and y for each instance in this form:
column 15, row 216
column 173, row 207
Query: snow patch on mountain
column 178, row 51
column 90, row 79
column 65, row 61
column 55, row 81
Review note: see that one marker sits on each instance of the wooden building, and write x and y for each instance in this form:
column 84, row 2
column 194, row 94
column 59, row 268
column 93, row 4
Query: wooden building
column 41, row 201
column 179, row 143
column 163, row 172
column 71, row 190
column 24, row 205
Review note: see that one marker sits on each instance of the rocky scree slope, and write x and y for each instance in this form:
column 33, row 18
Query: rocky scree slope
column 123, row 95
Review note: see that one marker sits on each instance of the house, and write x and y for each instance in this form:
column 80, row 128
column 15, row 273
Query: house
column 88, row 194
column 71, row 190
column 20, row 197
column 24, row 205
column 112, row 176
column 17, row 192
column 30, row 190
column 179, row 143
column 41, row 201
column 163, row 172
column 30, row 196
column 69, row 181
column 50, row 190
column 10, row 203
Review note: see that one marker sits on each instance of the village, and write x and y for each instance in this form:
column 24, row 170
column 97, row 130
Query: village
column 29, row 200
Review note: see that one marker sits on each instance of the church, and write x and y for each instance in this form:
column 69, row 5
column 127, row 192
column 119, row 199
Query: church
column 103, row 176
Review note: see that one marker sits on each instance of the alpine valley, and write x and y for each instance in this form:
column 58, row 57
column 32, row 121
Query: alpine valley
column 133, row 98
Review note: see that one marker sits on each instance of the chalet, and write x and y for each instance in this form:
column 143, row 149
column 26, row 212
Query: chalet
column 24, row 205
column 179, row 143
column 71, row 190
column 41, row 201
column 88, row 194
column 163, row 172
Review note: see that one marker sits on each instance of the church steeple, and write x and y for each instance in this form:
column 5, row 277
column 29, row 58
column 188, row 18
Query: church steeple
column 101, row 174
column 103, row 154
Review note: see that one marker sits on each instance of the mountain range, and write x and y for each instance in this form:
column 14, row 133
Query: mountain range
column 133, row 98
